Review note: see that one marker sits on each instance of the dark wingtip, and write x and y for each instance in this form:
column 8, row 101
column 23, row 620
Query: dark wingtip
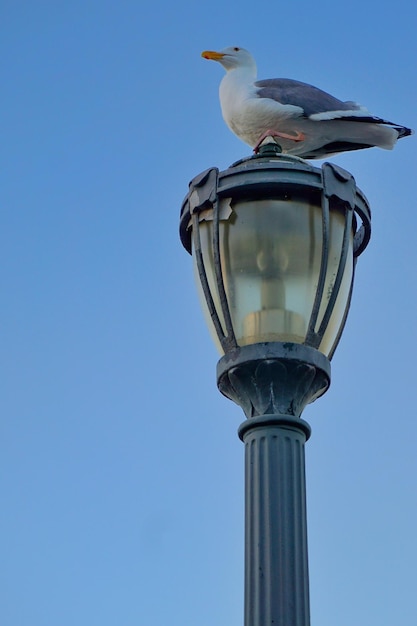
column 404, row 132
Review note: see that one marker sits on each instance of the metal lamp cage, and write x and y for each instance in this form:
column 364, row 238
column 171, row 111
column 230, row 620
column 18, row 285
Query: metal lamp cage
column 263, row 177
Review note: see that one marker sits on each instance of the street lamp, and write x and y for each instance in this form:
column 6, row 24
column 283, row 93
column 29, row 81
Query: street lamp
column 274, row 242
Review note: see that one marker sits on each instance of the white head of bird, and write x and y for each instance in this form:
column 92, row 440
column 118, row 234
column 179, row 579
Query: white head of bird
column 232, row 58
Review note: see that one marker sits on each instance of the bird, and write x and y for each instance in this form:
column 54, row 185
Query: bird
column 304, row 120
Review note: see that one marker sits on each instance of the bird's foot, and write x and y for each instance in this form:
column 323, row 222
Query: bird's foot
column 297, row 136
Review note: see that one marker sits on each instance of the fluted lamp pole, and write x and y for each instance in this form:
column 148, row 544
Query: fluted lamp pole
column 274, row 244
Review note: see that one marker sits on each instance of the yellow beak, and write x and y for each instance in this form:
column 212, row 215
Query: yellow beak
column 214, row 56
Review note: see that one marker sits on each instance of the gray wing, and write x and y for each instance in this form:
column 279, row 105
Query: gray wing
column 314, row 101
column 311, row 99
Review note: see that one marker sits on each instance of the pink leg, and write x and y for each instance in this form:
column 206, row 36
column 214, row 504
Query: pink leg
column 274, row 133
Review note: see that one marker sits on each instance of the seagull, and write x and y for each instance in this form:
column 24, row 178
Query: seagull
column 304, row 120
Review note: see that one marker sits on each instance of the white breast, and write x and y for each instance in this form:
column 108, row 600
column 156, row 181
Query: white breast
column 247, row 115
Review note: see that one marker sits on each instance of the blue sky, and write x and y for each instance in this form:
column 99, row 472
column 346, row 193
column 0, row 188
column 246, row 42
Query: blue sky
column 121, row 473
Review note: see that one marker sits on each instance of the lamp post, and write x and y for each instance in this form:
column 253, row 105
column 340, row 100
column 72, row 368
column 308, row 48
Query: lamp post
column 274, row 242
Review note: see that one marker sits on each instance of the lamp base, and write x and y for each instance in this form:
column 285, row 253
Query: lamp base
column 273, row 378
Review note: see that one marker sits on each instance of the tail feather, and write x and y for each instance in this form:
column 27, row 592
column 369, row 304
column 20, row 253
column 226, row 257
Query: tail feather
column 402, row 131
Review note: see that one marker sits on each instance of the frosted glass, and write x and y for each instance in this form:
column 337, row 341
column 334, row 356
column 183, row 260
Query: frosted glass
column 270, row 253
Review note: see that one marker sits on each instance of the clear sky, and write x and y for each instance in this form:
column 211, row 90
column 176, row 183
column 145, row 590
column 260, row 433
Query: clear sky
column 121, row 473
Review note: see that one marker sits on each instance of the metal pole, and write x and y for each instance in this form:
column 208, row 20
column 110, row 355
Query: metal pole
column 273, row 383
column 276, row 561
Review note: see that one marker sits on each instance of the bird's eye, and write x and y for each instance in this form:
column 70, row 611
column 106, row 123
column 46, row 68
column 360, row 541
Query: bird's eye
column 236, row 49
